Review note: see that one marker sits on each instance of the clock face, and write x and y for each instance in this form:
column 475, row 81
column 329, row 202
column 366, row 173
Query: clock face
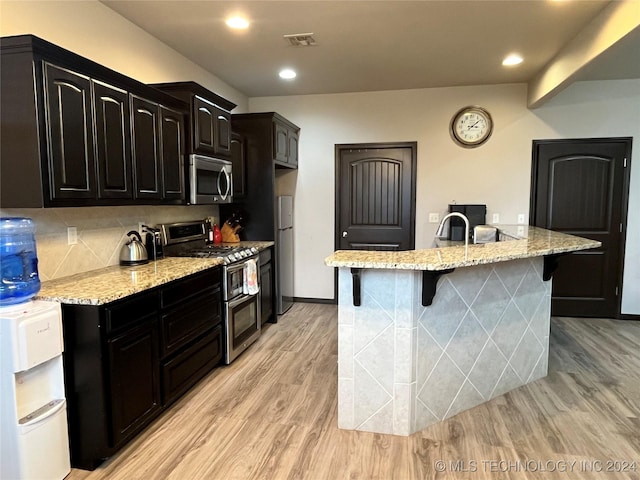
column 471, row 126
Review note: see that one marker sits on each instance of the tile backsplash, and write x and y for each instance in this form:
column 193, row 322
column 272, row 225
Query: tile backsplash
column 101, row 233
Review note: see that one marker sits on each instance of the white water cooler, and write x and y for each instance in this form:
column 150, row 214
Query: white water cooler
column 34, row 441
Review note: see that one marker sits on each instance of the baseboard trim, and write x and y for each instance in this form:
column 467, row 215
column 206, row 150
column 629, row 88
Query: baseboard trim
column 629, row 316
column 327, row 301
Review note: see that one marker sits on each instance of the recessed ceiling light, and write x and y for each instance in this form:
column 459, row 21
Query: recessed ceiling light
column 511, row 60
column 238, row 23
column 287, row 74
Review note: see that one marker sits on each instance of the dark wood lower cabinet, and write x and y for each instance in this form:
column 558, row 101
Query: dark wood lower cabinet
column 267, row 297
column 124, row 362
column 182, row 371
column 134, row 380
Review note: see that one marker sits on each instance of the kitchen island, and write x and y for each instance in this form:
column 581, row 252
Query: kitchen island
column 426, row 334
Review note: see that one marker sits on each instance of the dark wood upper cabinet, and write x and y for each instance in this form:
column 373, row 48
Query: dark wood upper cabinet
column 69, row 134
column 75, row 133
column 285, row 142
column 209, row 128
column 113, row 141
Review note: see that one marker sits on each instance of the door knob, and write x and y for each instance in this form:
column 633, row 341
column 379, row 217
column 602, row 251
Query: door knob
column 344, row 234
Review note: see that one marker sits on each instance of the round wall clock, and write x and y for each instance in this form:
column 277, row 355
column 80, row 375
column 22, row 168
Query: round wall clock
column 471, row 126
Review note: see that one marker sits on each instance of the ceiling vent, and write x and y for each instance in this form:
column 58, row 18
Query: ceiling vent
column 301, row 39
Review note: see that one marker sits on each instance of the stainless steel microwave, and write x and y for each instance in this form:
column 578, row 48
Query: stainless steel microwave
column 210, row 179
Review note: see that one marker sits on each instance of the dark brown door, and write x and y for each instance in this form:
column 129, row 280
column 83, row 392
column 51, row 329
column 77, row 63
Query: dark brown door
column 70, row 134
column 375, row 190
column 113, row 150
column 580, row 187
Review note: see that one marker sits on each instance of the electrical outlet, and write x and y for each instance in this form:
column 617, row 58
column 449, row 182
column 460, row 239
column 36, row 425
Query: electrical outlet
column 496, row 218
column 434, row 218
column 72, row 236
column 140, row 224
column 521, row 218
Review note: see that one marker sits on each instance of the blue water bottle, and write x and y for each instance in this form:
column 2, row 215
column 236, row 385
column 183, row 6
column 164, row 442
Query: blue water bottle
column 18, row 261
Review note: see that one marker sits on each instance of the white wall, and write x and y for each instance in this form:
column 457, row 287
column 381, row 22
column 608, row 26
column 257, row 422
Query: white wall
column 497, row 173
column 94, row 31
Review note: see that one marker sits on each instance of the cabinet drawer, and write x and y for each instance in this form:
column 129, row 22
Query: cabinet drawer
column 190, row 319
column 186, row 368
column 131, row 311
column 187, row 287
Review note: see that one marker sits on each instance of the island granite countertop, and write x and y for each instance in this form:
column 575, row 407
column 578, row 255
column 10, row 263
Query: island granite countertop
column 528, row 242
column 105, row 285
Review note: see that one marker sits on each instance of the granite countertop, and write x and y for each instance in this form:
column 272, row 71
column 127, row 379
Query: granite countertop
column 529, row 242
column 105, row 285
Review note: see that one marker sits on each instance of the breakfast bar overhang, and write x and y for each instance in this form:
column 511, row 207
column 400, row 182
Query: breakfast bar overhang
column 426, row 334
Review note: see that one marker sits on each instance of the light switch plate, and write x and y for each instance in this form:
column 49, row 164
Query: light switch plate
column 496, row 218
column 521, row 218
column 434, row 218
column 72, row 236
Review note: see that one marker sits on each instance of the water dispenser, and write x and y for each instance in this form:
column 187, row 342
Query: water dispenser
column 18, row 261
column 33, row 411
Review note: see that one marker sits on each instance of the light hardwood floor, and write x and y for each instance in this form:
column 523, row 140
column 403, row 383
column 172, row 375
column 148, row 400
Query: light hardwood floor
column 272, row 415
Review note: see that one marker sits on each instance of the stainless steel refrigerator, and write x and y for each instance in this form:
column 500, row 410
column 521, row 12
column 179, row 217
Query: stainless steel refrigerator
column 285, row 253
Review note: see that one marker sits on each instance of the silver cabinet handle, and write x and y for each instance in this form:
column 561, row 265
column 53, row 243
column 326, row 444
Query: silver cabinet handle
column 344, row 234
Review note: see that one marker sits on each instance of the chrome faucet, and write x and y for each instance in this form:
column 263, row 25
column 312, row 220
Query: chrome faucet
column 466, row 226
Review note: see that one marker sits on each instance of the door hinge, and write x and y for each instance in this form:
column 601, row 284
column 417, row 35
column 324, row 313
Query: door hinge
column 617, row 290
column 621, row 228
column 625, row 162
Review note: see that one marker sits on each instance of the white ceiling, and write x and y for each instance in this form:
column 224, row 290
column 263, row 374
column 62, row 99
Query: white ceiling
column 377, row 45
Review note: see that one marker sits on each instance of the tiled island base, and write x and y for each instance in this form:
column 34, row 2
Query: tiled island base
column 403, row 366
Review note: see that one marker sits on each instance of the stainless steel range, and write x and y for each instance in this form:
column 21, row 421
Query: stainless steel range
column 241, row 307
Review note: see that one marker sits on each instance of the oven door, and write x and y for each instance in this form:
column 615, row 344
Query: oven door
column 242, row 322
column 233, row 280
column 210, row 180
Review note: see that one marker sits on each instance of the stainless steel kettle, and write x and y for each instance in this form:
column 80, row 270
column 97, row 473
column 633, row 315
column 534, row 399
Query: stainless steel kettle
column 133, row 252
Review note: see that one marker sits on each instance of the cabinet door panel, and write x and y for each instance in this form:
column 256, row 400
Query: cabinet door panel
column 189, row 366
column 189, row 320
column 266, row 293
column 223, row 133
column 135, row 386
column 280, row 142
column 69, row 134
column 239, row 165
column 204, row 128
column 113, row 149
column 146, row 158
column 172, row 138
column 293, row 148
